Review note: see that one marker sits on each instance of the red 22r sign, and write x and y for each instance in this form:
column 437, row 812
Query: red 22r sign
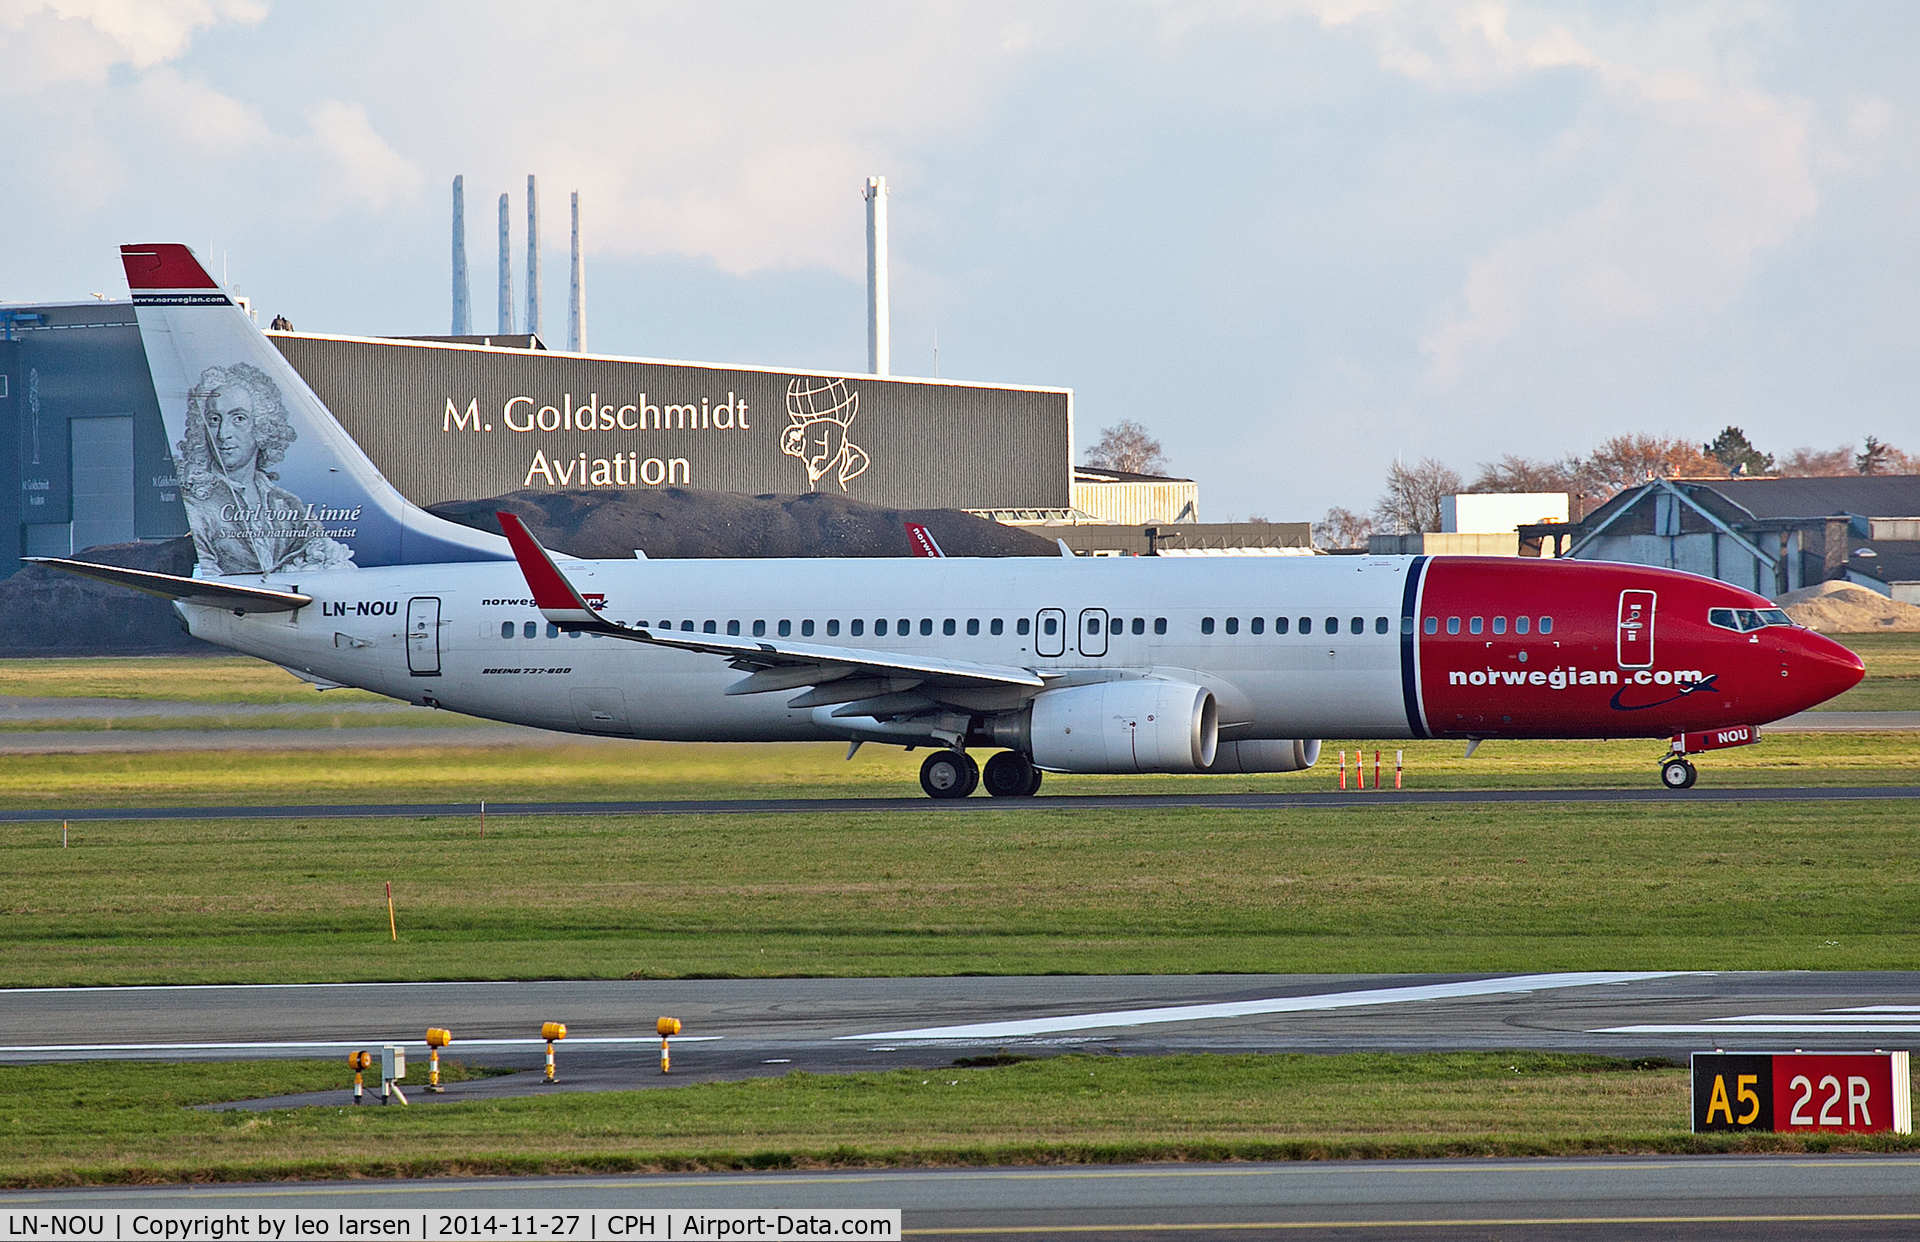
column 1842, row 1092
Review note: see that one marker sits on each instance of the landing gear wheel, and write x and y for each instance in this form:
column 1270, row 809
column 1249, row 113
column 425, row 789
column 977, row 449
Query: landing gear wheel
column 949, row 774
column 1677, row 773
column 1033, row 786
column 1010, row 774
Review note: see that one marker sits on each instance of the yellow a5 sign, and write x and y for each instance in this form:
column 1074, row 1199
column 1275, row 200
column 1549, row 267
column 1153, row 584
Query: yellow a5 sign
column 1845, row 1092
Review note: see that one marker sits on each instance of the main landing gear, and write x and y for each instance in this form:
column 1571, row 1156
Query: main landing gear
column 954, row 774
column 1677, row 773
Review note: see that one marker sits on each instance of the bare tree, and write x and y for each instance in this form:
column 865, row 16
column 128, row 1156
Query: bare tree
column 1523, row 474
column 1127, row 446
column 1631, row 460
column 1342, row 528
column 1806, row 462
column 1412, row 499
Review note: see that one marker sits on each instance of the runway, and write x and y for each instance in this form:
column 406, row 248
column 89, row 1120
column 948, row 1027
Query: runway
column 746, row 1028
column 1074, row 802
column 1855, row 1198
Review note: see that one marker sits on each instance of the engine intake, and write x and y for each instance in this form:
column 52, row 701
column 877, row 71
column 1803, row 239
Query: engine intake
column 1125, row 726
column 1267, row 755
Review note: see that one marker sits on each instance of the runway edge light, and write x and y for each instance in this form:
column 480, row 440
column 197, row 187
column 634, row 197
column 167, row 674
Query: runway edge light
column 551, row 1031
column 667, row 1027
column 437, row 1038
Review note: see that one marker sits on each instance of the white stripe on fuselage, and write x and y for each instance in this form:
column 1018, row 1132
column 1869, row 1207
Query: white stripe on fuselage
column 1268, row 685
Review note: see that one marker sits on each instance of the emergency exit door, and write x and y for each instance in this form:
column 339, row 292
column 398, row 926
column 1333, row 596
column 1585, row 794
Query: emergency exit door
column 423, row 636
column 1634, row 642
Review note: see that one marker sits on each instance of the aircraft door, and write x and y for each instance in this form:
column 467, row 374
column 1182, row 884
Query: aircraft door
column 423, row 636
column 1093, row 631
column 1634, row 640
column 1050, row 632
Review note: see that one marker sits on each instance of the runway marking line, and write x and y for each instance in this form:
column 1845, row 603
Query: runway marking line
column 1281, row 1004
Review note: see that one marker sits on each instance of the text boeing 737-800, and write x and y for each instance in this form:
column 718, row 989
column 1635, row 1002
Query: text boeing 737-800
column 307, row 557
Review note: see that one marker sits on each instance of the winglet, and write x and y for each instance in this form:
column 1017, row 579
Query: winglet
column 556, row 597
column 922, row 541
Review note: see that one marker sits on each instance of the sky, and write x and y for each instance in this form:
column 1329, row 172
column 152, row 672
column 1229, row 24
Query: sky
column 1295, row 239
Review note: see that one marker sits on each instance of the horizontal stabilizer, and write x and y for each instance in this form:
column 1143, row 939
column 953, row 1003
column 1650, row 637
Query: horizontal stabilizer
column 206, row 592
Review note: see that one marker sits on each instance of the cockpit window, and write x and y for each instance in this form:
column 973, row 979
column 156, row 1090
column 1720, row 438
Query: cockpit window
column 1746, row 620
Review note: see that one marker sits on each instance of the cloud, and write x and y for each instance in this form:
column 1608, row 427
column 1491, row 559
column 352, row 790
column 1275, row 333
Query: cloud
column 45, row 43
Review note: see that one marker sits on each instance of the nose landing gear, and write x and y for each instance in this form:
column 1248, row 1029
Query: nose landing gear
column 1677, row 773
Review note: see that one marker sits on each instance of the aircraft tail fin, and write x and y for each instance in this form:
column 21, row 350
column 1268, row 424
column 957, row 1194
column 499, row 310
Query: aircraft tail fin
column 922, row 541
column 271, row 482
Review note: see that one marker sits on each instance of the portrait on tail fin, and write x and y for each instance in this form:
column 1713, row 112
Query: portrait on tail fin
column 242, row 521
column 820, row 413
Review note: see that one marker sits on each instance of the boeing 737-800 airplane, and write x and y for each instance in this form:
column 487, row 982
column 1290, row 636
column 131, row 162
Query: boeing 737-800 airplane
column 309, row 558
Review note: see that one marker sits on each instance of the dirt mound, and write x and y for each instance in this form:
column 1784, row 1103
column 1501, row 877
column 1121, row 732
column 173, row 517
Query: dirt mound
column 44, row 612
column 1843, row 608
column 677, row 522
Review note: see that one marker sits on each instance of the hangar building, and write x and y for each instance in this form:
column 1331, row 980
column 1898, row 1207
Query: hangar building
column 448, row 419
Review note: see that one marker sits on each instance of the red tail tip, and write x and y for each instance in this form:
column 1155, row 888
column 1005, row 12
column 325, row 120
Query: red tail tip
column 164, row 265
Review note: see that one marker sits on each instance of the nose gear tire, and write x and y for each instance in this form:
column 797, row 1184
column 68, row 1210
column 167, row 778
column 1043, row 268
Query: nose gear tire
column 1678, row 774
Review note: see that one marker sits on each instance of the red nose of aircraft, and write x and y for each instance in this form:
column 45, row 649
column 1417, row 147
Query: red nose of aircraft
column 1816, row 668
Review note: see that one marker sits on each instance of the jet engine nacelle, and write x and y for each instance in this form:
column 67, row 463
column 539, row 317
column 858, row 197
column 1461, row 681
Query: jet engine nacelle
column 1267, row 755
column 1125, row 726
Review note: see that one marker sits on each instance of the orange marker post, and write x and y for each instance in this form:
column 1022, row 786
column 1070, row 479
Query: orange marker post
column 1398, row 755
column 1376, row 771
column 1343, row 769
column 393, row 928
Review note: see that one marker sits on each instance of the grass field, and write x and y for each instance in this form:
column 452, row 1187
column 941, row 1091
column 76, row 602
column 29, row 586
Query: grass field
column 1004, row 891
column 1893, row 675
column 120, row 1122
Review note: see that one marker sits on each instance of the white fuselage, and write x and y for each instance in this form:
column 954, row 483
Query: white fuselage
column 470, row 651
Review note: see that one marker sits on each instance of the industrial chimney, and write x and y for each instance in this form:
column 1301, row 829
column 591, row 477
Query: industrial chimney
column 506, row 272
column 533, row 256
column 462, row 299
column 878, row 345
column 576, row 291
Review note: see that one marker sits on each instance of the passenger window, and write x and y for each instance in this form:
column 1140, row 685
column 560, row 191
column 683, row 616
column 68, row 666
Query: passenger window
column 1206, row 625
column 1159, row 625
column 733, row 628
column 1546, row 625
column 1380, row 625
column 904, row 628
column 759, row 629
column 880, row 627
column 1499, row 625
column 1116, row 626
column 1257, row 625
column 709, row 627
column 996, row 626
column 1520, row 624
column 1357, row 626
column 833, row 628
column 1139, row 625
column 1233, row 625
column 506, row 629
column 1431, row 625
column 685, row 626
column 1281, row 625
column 553, row 631
column 1453, row 625
column 1406, row 626
column 529, row 630
column 1052, row 626
column 1475, row 625
column 785, row 628
column 856, row 626
column 665, row 625
column 947, row 627
column 1306, row 625
column 1021, row 626
column 973, row 626
column 806, row 629
column 1333, row 625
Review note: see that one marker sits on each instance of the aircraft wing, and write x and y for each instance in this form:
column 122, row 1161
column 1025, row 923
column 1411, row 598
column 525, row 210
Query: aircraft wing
column 209, row 592
column 865, row 681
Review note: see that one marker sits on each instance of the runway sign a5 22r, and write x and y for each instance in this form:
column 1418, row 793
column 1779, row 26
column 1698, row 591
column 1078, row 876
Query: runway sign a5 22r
column 1842, row 1092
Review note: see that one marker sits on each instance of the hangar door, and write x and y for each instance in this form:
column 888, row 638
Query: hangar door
column 102, row 466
